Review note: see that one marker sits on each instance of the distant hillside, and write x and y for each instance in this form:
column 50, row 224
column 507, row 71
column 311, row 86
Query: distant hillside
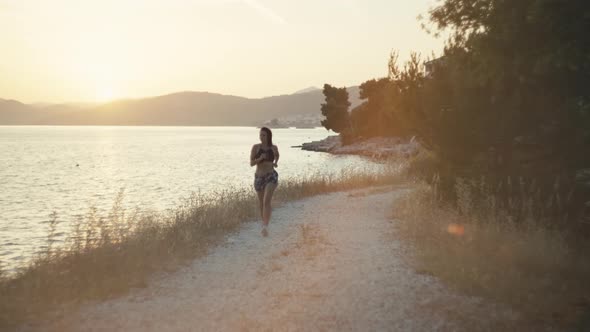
column 183, row 108
column 14, row 112
column 310, row 89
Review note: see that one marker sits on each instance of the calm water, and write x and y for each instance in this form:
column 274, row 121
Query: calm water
column 70, row 169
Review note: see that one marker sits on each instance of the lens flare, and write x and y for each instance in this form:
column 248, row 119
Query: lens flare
column 456, row 229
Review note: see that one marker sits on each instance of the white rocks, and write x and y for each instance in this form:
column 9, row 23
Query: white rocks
column 376, row 147
column 325, row 145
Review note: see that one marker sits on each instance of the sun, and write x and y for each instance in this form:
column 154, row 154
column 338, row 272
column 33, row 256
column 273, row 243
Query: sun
column 104, row 94
column 97, row 76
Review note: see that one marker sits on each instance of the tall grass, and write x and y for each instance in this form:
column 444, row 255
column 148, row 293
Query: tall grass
column 503, row 241
column 107, row 255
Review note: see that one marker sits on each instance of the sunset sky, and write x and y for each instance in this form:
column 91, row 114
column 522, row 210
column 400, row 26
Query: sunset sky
column 86, row 50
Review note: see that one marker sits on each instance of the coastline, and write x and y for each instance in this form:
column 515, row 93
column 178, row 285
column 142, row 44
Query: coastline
column 96, row 265
column 71, row 169
column 376, row 147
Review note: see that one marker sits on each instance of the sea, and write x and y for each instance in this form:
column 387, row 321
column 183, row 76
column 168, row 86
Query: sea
column 65, row 172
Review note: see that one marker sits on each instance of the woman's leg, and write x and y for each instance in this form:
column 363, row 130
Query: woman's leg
column 261, row 202
column 266, row 211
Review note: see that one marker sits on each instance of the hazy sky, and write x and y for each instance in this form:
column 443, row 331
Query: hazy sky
column 95, row 50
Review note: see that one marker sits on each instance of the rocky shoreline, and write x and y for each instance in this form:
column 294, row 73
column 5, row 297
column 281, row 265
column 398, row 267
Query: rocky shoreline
column 376, row 147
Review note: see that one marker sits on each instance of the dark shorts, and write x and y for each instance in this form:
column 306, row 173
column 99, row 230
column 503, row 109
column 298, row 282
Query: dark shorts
column 260, row 181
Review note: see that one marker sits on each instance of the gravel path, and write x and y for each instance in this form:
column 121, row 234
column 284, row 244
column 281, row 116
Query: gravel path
column 331, row 263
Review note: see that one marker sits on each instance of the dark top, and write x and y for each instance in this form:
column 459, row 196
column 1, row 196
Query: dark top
column 270, row 154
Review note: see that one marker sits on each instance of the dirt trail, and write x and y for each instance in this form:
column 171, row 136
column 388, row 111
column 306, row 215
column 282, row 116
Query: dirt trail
column 331, row 262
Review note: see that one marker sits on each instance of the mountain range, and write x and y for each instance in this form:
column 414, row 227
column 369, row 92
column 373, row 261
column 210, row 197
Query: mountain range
column 182, row 108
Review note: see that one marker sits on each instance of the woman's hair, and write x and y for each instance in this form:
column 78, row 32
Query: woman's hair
column 268, row 134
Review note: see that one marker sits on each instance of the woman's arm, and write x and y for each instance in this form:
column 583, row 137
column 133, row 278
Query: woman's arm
column 253, row 160
column 276, row 151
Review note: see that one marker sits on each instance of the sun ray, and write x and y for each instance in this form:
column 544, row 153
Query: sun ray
column 265, row 11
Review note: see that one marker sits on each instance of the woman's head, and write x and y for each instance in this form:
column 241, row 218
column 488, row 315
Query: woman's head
column 265, row 135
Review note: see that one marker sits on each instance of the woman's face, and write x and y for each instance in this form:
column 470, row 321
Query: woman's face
column 263, row 138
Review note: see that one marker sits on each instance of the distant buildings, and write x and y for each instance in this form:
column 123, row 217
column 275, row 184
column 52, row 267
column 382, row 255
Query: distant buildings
column 299, row 121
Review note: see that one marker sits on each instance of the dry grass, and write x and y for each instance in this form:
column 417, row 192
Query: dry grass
column 106, row 256
column 510, row 249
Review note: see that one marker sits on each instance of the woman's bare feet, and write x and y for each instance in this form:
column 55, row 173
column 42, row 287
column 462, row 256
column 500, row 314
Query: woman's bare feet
column 264, row 231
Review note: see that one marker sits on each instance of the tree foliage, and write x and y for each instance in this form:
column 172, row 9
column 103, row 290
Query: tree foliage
column 511, row 91
column 527, row 63
column 382, row 121
column 335, row 109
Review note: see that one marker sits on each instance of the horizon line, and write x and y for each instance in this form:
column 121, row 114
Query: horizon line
column 156, row 96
